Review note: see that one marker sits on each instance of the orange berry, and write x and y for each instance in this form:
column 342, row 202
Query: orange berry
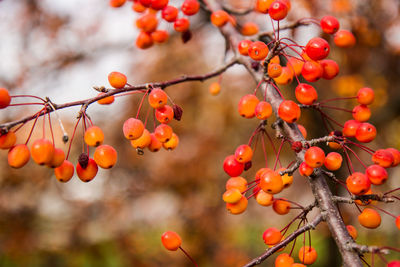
column 138, row 7
column 275, row 60
column 369, row 218
column 144, row 40
column 64, row 172
column 352, row 231
column 94, row 136
column 330, row 69
column 295, row 64
column 258, row 50
column 350, row 128
column 312, row 71
column 303, row 130
column 214, row 88
column 249, row 28
column 333, row 161
column 7, row 140
column 133, row 128
column 243, row 47
column 284, row 260
column 42, row 151
column 289, row 111
column 171, row 240
column 164, row 114
column 383, row 158
column 358, row 183
column 314, row 157
column 106, row 100
column 278, row 10
column 219, row 18
column 307, row 255
column 281, row 206
column 263, row 5
column 143, row 141
column 274, row 70
column 287, row 179
column 155, row 144
column 157, row 98
column 272, row 236
column 344, row 39
column 264, row 198
column 117, row 79
column 181, row 25
column 159, row 36
column 172, row 143
column 398, row 222
column 286, row 76
column 365, row 132
column 395, row 153
column 105, row 156
column 169, row 13
column 366, row 201
column 87, row 174
column 163, row 132
column 238, row 207
column 243, row 153
column 247, row 106
column 306, row 94
column 376, row 174
column 271, row 182
column 18, row 156
column 58, row 158
column 232, row 195
column 190, row 7
column 117, row 3
column 236, row 182
column 305, row 170
column 5, row 98
column 147, row 22
column 263, row 110
column 365, row 96
column 361, row 113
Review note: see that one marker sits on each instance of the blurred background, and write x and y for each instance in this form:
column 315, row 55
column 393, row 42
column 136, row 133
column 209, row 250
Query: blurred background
column 61, row 49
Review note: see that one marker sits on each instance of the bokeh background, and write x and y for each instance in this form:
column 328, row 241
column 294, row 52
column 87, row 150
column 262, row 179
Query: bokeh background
column 61, row 49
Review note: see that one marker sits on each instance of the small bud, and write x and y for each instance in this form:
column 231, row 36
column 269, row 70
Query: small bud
column 186, row 36
column 297, row 146
column 247, row 165
column 83, row 160
column 177, row 112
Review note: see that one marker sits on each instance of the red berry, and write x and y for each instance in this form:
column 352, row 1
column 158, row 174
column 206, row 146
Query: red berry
column 314, row 157
column 284, row 260
column 263, row 110
column 232, row 167
column 361, row 113
column 383, row 158
column 271, row 182
column 366, row 132
column 333, row 161
column 330, row 69
column 305, row 170
column 171, row 240
column 344, row 38
column 190, row 7
column 376, row 174
column 352, row 231
column 169, row 13
column 117, row 79
column 5, row 98
column 281, row 206
column 87, row 174
column 247, row 106
column 105, row 156
column 350, row 128
column 307, row 255
column 144, row 40
column 243, row 153
column 243, row 47
column 258, row 50
column 278, row 10
column 181, row 25
column 64, row 172
column 18, row 156
column 329, row 24
column 272, row 236
column 395, row 153
column 312, row 71
column 165, row 114
column 133, row 128
column 365, row 96
column 289, row 111
column 42, row 151
column 158, row 4
column 306, row 94
column 393, row 264
column 219, row 18
column 358, row 183
column 317, row 48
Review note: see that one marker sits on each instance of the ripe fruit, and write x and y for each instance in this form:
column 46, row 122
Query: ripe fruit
column 165, row 114
column 278, row 10
column 232, row 195
column 306, row 94
column 344, row 39
column 138, row 7
column 307, row 255
column 238, row 207
column 369, row 218
column 87, row 174
column 263, row 5
column 232, row 167
column 42, row 151
column 171, row 240
column 350, row 128
column 219, row 18
column 190, row 7
column 155, row 144
column 329, row 24
column 157, row 98
column 144, row 40
column 287, row 179
column 159, row 36
column 352, row 231
column 333, row 161
column 398, row 222
column 116, row 3
column 305, row 170
column 376, row 174
column 249, row 29
column 133, row 128
column 286, row 76
column 147, row 22
column 396, row 156
column 383, row 158
column 295, row 64
column 358, row 183
column 163, row 132
column 158, row 4
column 5, row 98
column 247, row 105
column 393, row 264
column 284, row 260
column 58, row 158
column 289, row 111
column 106, row 100
column 314, row 157
column 281, row 206
column 263, row 110
column 312, row 71
column 330, row 69
column 214, row 88
column 7, row 140
column 172, row 143
column 243, row 153
column 169, row 13
column 145, row 3
column 117, row 79
column 271, row 182
column 18, row 156
column 274, row 70
column 143, row 141
column 303, row 130
column 243, row 47
column 361, row 113
column 94, row 136
column 64, row 172
column 366, row 132
column 272, row 236
column 365, row 96
column 105, row 156
column 258, row 50
column 317, row 48
column 236, row 182
column 181, row 25
column 264, row 198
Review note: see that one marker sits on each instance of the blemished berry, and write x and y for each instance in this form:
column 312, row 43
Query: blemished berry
column 286, row 76
column 281, row 206
column 133, row 128
column 312, row 71
column 263, row 110
column 94, row 136
column 284, row 260
column 365, row 96
column 358, row 183
column 190, row 7
column 159, row 36
column 171, row 240
column 329, row 24
column 305, row 170
column 330, row 69
column 236, row 182
column 243, row 153
column 158, row 4
column 7, row 140
column 143, row 141
column 58, row 158
column 169, row 13
column 303, row 130
column 232, row 195
column 274, row 70
column 307, row 255
column 147, row 22
column 365, row 133
column 314, row 157
column 164, row 114
column 232, row 167
column 247, row 105
column 317, row 48
column 383, row 158
column 243, row 47
column 344, row 39
column 350, row 128
column 214, row 88
column 42, row 151
column 306, row 94
column 352, row 231
column 116, row 3
column 258, row 50
column 264, row 198
column 333, row 161
column 272, row 236
column 87, row 174
column 249, row 29
column 5, row 98
column 105, row 156
column 155, row 144
column 181, row 25
column 18, row 156
column 278, row 10
column 219, row 18
column 262, row 6
column 238, row 207
column 144, row 40
column 369, row 218
column 396, row 156
column 117, row 80
column 289, row 111
column 376, row 174
column 361, row 113
column 172, row 143
column 64, row 172
column 106, row 100
column 271, row 182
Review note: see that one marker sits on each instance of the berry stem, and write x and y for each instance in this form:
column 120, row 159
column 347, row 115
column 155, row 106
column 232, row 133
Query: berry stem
column 187, row 255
